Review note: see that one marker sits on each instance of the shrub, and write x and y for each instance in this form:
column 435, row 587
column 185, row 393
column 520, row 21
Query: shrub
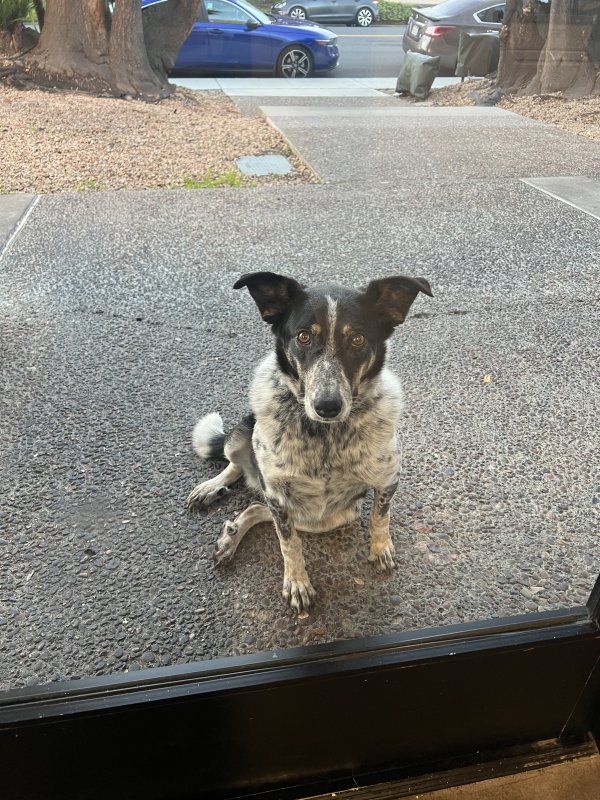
column 13, row 11
column 394, row 12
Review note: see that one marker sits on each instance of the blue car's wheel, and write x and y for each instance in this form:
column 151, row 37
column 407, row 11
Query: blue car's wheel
column 297, row 12
column 364, row 17
column 294, row 61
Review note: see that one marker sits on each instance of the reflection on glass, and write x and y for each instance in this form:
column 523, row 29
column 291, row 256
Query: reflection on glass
column 420, row 151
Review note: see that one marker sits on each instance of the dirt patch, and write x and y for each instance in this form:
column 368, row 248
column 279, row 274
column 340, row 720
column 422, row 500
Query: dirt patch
column 54, row 141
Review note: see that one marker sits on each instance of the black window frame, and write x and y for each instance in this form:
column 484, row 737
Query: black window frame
column 294, row 723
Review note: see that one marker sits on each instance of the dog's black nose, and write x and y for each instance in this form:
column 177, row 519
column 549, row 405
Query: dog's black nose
column 328, row 408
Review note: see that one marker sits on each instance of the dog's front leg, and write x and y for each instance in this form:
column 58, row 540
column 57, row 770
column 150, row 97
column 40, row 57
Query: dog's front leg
column 297, row 588
column 382, row 549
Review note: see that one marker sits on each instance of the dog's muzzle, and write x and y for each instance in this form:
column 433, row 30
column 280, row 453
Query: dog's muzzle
column 328, row 407
column 327, row 395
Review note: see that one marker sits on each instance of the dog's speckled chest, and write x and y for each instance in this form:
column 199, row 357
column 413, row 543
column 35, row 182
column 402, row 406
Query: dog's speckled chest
column 320, row 472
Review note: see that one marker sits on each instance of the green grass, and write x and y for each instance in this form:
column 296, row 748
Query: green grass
column 210, row 181
column 87, row 185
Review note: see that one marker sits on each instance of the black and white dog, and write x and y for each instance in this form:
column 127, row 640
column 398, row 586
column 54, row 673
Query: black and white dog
column 322, row 431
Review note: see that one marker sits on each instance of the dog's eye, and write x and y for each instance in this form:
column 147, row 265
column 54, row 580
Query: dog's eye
column 303, row 337
column 357, row 340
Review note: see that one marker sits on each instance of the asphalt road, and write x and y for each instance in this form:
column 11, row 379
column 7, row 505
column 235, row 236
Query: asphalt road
column 374, row 52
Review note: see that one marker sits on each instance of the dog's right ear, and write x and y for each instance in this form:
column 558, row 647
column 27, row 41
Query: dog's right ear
column 392, row 298
column 272, row 293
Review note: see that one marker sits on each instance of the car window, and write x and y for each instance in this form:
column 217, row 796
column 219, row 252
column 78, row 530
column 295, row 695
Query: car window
column 221, row 11
column 201, row 16
column 492, row 14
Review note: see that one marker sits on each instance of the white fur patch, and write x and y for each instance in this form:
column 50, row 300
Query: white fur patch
column 205, row 431
column 331, row 323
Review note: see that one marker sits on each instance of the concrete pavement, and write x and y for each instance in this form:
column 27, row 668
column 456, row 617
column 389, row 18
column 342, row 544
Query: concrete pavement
column 431, row 143
column 288, row 87
column 120, row 327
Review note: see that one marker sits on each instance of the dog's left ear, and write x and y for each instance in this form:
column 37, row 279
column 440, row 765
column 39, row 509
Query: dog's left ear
column 392, row 298
column 272, row 293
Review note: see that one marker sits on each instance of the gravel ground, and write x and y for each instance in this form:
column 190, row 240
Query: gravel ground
column 69, row 141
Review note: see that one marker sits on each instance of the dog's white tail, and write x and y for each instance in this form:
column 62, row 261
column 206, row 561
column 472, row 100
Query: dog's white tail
column 208, row 436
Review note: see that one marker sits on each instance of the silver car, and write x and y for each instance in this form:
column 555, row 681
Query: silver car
column 435, row 30
column 350, row 12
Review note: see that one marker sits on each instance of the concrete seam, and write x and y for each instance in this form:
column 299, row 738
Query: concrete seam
column 290, row 144
column 558, row 197
column 20, row 224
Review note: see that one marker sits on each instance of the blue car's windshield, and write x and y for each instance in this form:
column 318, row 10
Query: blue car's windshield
column 255, row 12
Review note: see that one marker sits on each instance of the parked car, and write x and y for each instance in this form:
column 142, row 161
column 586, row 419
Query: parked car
column 234, row 36
column 282, row 19
column 351, row 12
column 435, row 30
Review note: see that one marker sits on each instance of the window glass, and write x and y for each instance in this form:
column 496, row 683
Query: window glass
column 494, row 14
column 223, row 12
column 337, row 151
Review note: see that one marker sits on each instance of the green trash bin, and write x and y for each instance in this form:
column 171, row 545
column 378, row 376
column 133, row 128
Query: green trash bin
column 417, row 74
column 478, row 54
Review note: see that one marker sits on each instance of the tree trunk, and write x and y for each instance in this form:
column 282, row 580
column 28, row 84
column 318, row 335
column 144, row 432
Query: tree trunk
column 130, row 70
column 128, row 54
column 565, row 65
column 40, row 12
column 166, row 27
column 569, row 60
column 593, row 48
column 521, row 42
column 17, row 40
column 74, row 39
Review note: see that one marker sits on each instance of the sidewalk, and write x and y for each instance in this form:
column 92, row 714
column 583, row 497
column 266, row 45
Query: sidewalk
column 288, row 87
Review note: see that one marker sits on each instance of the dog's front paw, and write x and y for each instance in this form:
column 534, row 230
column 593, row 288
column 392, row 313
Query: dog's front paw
column 227, row 543
column 383, row 556
column 206, row 493
column 298, row 591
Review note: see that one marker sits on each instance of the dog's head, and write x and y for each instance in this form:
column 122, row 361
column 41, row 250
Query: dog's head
column 331, row 340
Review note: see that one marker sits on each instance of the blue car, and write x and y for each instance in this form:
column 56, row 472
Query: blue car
column 234, row 36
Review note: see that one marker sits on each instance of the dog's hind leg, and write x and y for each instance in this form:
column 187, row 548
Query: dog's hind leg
column 206, row 493
column 234, row 531
column 382, row 548
column 209, row 441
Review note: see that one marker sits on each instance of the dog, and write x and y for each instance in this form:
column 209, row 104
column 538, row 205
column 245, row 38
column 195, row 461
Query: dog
column 322, row 431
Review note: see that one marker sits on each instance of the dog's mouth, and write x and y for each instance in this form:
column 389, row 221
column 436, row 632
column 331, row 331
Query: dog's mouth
column 328, row 420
